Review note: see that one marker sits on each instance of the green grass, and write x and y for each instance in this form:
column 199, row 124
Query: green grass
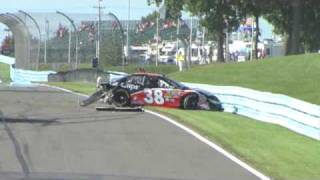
column 296, row 76
column 80, row 87
column 132, row 68
column 4, row 72
column 276, row 151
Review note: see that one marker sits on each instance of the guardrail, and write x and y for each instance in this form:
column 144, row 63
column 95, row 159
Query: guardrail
column 294, row 114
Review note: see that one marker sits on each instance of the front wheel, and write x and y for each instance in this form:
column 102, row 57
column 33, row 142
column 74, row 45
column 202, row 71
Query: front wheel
column 190, row 102
column 93, row 98
column 121, row 98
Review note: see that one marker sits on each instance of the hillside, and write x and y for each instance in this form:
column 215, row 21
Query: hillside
column 296, row 76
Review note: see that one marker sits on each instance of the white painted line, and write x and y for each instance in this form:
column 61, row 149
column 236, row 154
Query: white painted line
column 212, row 145
column 193, row 133
column 62, row 89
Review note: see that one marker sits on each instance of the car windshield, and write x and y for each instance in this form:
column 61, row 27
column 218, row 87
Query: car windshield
column 174, row 84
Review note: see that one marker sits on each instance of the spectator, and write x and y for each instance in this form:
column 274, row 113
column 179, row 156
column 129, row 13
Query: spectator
column 237, row 54
column 95, row 62
column 146, row 58
column 180, row 59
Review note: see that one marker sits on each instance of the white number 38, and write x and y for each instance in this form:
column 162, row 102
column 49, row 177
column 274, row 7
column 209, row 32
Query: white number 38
column 153, row 96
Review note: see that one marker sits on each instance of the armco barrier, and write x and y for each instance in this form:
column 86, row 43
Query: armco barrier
column 294, row 114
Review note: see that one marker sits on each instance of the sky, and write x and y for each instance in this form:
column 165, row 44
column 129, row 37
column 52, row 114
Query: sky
column 139, row 8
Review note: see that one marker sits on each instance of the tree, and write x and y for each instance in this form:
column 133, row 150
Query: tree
column 7, row 46
column 111, row 50
column 218, row 16
column 255, row 8
column 297, row 20
column 310, row 34
column 287, row 18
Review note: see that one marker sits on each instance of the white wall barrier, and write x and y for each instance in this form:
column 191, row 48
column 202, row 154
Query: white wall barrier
column 294, row 114
column 19, row 76
column 7, row 60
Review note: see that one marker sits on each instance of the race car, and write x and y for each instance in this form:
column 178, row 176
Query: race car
column 141, row 89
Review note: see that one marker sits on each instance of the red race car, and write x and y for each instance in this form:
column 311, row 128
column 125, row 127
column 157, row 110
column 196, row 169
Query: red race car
column 155, row 90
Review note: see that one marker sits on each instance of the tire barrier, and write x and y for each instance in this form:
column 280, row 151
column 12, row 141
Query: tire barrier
column 296, row 115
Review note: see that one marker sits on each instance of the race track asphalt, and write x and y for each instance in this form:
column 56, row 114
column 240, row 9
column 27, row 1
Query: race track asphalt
column 44, row 134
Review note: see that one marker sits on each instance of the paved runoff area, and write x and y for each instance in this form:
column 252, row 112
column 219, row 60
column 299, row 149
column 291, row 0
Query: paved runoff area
column 44, row 134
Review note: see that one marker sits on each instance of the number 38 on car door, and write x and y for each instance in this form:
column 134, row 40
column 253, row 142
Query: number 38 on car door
column 162, row 97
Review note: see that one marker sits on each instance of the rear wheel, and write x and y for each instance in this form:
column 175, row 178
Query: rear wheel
column 190, row 102
column 121, row 98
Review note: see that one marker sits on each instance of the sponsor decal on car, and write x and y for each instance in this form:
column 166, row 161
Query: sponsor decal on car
column 129, row 86
column 175, row 93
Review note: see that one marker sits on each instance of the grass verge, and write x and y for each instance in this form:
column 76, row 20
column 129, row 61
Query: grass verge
column 277, row 152
column 4, row 72
column 79, row 87
column 295, row 76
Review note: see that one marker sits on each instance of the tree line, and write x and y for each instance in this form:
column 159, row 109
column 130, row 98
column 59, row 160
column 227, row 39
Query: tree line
column 296, row 20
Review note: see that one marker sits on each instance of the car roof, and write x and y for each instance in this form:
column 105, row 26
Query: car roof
column 148, row 74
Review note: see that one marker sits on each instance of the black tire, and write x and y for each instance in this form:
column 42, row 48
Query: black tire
column 190, row 102
column 93, row 98
column 121, row 98
column 215, row 103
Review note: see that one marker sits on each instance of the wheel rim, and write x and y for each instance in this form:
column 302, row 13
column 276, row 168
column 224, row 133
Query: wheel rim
column 191, row 103
column 121, row 99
